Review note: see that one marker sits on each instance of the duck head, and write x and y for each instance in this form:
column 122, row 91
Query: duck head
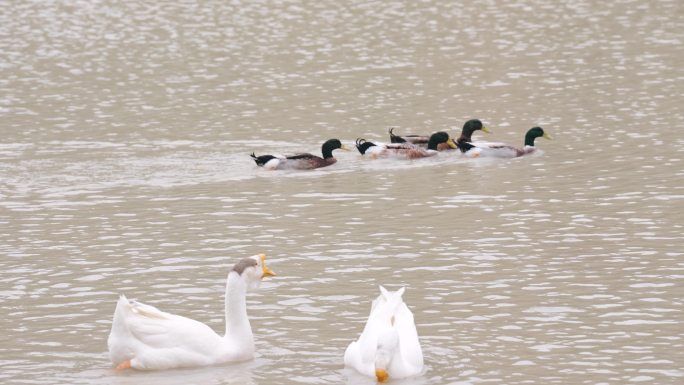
column 440, row 137
column 473, row 125
column 534, row 133
column 330, row 145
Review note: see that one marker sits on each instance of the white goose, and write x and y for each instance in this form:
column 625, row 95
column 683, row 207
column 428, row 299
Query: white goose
column 146, row 338
column 388, row 346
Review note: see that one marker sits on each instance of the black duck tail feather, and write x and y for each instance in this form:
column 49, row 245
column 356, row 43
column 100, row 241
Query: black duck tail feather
column 359, row 143
column 256, row 159
column 362, row 145
column 395, row 138
column 261, row 160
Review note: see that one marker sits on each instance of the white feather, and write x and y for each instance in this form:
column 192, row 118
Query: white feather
column 273, row 163
column 152, row 339
column 390, row 319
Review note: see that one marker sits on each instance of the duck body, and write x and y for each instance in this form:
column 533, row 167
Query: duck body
column 293, row 162
column 389, row 346
column 145, row 338
column 501, row 150
column 392, row 150
column 304, row 161
column 404, row 150
column 498, row 150
column 421, row 141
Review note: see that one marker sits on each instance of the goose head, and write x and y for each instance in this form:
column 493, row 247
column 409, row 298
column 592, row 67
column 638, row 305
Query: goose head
column 388, row 346
column 253, row 269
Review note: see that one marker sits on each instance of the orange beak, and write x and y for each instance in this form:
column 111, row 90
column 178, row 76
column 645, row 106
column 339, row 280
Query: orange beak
column 381, row 375
column 266, row 271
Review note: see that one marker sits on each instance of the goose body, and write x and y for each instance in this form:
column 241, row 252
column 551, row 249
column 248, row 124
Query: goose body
column 502, row 150
column 404, row 150
column 302, row 161
column 388, row 346
column 146, row 338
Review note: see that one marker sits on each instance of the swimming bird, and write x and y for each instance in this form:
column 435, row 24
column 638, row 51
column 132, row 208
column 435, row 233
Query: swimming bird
column 389, row 346
column 404, row 150
column 501, row 150
column 145, row 338
column 469, row 128
column 303, row 161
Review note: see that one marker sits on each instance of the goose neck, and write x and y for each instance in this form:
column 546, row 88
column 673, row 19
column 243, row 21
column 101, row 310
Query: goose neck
column 236, row 306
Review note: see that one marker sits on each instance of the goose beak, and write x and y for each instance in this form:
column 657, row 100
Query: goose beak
column 547, row 136
column 266, row 271
column 485, row 129
column 345, row 148
column 451, row 143
column 381, row 375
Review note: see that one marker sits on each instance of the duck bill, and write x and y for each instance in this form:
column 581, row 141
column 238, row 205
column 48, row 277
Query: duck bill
column 485, row 129
column 547, row 136
column 266, row 271
column 381, row 375
column 345, row 148
column 451, row 143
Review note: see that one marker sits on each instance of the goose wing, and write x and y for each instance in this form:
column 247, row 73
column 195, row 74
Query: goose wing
column 152, row 328
column 408, row 335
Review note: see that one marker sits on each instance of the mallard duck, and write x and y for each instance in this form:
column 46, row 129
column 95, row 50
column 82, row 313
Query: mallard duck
column 404, row 150
column 418, row 140
column 501, row 150
column 146, row 338
column 388, row 347
column 301, row 161
column 469, row 127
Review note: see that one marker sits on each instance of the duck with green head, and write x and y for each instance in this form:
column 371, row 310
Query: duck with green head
column 501, row 150
column 404, row 150
column 304, row 161
column 462, row 143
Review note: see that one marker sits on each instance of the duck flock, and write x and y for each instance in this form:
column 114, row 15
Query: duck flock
column 145, row 338
column 407, row 147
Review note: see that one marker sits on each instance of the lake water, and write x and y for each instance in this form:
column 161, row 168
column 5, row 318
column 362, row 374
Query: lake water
column 125, row 129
